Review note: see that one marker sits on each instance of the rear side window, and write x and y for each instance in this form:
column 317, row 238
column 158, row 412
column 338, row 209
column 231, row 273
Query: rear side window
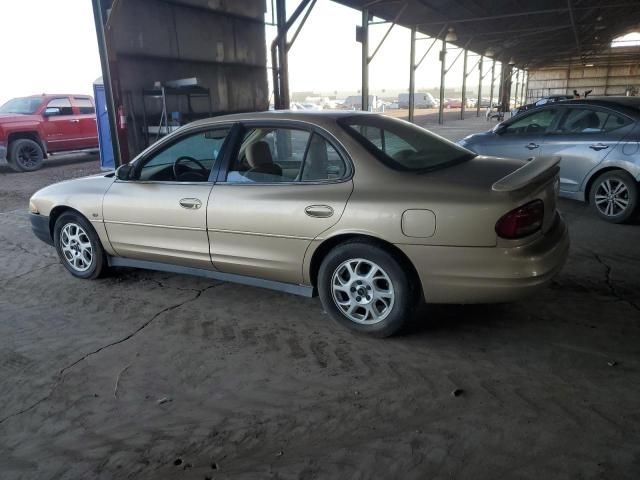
column 402, row 145
column 84, row 105
column 585, row 120
column 63, row 104
column 285, row 155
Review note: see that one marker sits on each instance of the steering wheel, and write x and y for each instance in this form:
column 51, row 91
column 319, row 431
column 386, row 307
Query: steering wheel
column 202, row 173
column 533, row 127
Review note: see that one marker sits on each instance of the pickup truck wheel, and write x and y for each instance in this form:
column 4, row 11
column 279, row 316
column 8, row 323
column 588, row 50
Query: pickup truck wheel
column 78, row 246
column 25, row 155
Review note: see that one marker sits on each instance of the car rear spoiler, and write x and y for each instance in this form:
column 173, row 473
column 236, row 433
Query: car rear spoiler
column 534, row 170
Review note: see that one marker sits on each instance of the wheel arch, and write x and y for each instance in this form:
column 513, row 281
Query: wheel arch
column 28, row 135
column 57, row 211
column 595, row 175
column 330, row 243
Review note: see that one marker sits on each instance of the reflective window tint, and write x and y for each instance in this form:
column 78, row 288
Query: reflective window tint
column 84, row 105
column 537, row 122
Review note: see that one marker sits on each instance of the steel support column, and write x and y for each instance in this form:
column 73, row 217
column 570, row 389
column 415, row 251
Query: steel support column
column 443, row 72
column 515, row 97
column 365, row 60
column 412, row 74
column 479, row 86
column 106, row 79
column 493, row 81
column 463, row 105
column 283, row 58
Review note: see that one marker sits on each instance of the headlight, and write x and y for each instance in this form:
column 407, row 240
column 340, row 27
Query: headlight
column 33, row 208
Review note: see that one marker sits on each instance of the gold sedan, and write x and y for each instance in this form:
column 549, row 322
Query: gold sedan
column 373, row 214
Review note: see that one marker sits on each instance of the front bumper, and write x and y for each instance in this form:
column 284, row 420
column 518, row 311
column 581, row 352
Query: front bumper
column 489, row 275
column 40, row 227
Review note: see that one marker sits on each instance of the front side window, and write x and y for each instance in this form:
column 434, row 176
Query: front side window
column 404, row 146
column 285, row 155
column 24, row 106
column 585, row 120
column 84, row 105
column 537, row 122
column 62, row 104
column 190, row 159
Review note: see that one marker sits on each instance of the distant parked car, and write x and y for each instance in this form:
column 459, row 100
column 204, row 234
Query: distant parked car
column 373, row 213
column 540, row 102
column 597, row 140
column 32, row 127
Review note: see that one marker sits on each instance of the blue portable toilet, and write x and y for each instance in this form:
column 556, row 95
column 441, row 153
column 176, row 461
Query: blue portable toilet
column 104, row 133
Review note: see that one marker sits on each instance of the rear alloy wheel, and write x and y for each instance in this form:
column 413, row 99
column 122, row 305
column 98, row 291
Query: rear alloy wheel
column 365, row 288
column 78, row 246
column 25, row 155
column 614, row 196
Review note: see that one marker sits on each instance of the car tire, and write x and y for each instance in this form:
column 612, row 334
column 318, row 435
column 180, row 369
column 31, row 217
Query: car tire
column 78, row 246
column 25, row 155
column 614, row 196
column 378, row 303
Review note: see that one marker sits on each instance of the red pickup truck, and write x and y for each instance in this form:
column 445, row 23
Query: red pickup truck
column 32, row 127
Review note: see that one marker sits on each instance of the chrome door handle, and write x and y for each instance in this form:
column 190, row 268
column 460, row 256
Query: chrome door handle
column 319, row 211
column 190, row 203
column 532, row 146
column 74, row 120
column 598, row 146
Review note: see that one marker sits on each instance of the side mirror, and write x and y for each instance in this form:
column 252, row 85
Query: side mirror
column 499, row 128
column 51, row 111
column 123, row 172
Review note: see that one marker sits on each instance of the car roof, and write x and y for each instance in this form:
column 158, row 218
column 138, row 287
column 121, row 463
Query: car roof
column 311, row 116
column 628, row 105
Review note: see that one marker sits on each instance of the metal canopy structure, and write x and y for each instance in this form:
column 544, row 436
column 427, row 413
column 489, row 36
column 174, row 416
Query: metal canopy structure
column 517, row 34
column 526, row 34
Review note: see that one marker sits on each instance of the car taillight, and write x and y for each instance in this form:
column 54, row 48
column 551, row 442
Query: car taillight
column 521, row 221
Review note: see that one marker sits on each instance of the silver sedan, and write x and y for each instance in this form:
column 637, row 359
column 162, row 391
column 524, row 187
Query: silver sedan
column 598, row 140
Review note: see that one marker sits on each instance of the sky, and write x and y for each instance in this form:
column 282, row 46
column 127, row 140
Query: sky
column 59, row 53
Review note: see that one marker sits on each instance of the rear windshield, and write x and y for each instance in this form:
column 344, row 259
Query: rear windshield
column 25, row 105
column 402, row 145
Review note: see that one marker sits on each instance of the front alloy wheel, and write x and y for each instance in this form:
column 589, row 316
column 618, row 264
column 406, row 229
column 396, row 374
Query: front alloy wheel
column 614, row 196
column 78, row 246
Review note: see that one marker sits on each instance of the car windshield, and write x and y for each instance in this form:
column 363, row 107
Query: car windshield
column 24, row 105
column 402, row 145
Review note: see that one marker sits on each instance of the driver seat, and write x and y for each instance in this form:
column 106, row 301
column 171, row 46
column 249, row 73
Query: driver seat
column 260, row 160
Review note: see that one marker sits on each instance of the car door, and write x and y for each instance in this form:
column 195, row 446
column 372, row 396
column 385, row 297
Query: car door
column 86, row 114
column 60, row 125
column 285, row 185
column 583, row 138
column 520, row 137
column 160, row 213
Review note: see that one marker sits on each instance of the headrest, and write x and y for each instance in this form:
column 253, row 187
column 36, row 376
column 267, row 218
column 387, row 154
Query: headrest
column 259, row 154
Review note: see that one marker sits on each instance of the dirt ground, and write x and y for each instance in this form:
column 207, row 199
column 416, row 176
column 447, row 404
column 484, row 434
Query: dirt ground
column 151, row 375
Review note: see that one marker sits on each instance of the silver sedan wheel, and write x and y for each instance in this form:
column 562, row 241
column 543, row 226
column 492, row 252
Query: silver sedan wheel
column 612, row 197
column 363, row 291
column 76, row 247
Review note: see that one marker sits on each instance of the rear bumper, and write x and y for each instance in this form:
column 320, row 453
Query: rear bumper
column 40, row 227
column 489, row 275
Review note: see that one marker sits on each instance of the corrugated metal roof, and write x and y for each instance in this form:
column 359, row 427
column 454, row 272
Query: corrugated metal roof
column 533, row 34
